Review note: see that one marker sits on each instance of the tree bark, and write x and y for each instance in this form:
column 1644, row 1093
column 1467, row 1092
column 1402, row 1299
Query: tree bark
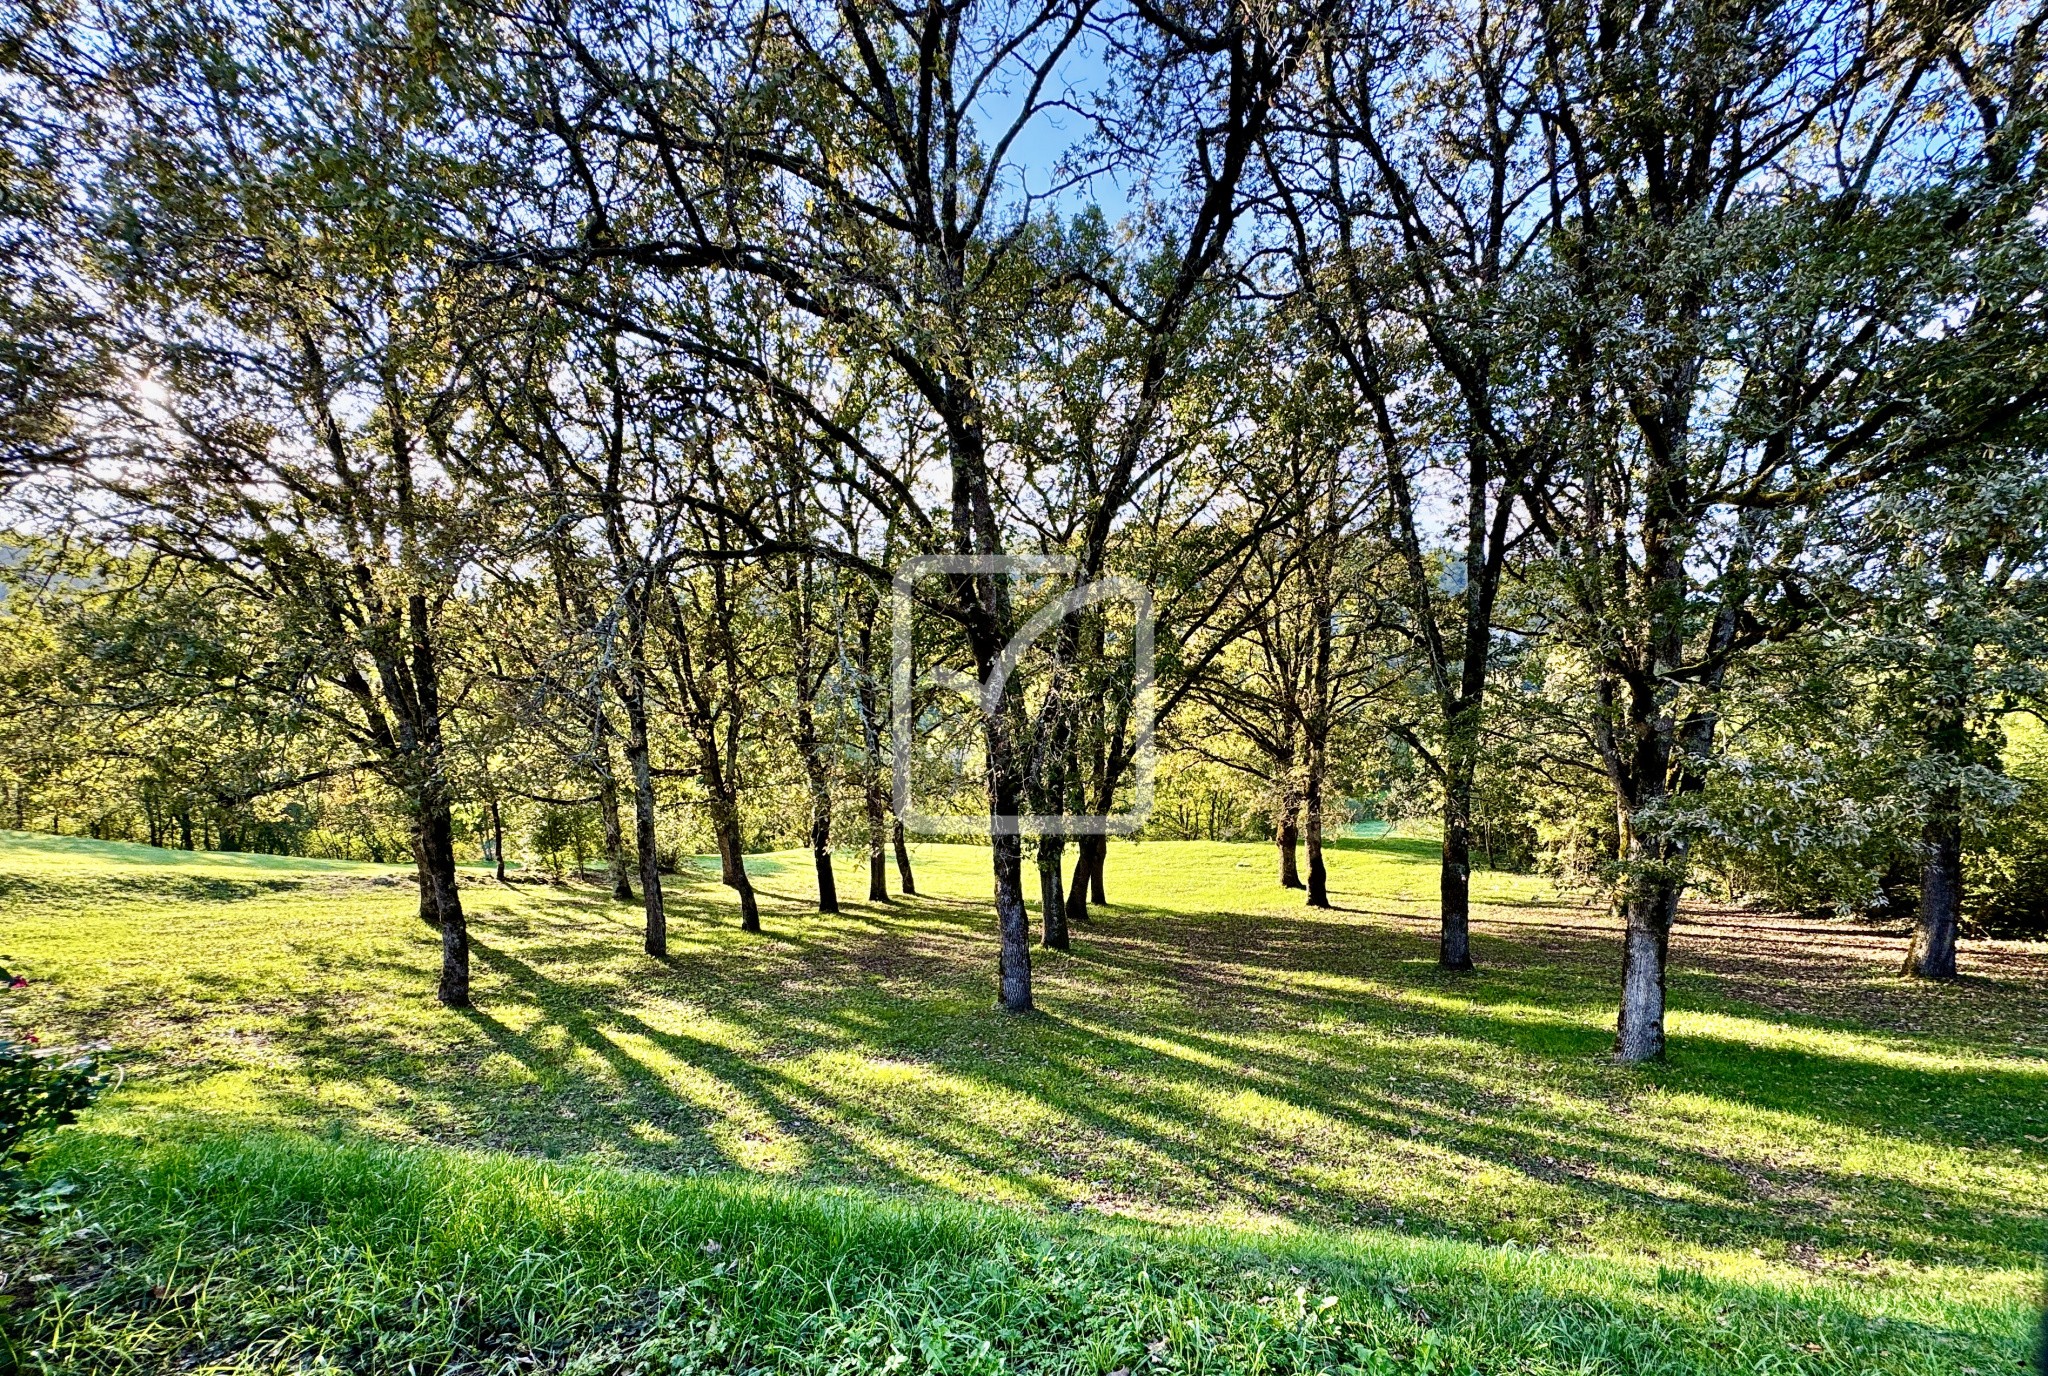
column 906, row 880
column 1933, row 953
column 1086, row 851
column 498, row 837
column 637, row 761
column 1013, row 923
column 818, row 778
column 1647, row 914
column 732, row 859
column 437, row 846
column 1318, row 873
column 1052, row 898
column 614, row 838
column 1287, row 833
column 821, row 853
column 1454, row 879
column 430, row 911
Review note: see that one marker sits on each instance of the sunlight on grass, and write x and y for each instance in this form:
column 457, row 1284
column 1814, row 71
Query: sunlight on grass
column 1215, row 1056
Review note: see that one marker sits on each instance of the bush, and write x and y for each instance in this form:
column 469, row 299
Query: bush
column 40, row 1091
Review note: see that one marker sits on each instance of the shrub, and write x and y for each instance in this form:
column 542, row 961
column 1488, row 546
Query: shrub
column 40, row 1091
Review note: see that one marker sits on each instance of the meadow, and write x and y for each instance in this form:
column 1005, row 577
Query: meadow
column 1237, row 1135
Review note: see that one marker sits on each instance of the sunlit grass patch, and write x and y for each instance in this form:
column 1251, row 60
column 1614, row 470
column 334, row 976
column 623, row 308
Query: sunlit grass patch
column 1211, row 1056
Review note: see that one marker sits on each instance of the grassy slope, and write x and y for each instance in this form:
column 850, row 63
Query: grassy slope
column 1828, row 1145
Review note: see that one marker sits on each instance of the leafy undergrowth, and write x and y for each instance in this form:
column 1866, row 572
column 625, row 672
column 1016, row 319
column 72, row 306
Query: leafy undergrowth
column 271, row 1253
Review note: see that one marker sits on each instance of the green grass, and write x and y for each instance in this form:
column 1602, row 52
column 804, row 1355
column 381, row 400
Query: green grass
column 1225, row 1101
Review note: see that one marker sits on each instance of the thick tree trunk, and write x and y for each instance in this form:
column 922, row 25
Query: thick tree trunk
column 1647, row 914
column 1454, row 885
column 614, row 838
column 643, row 823
column 1933, row 953
column 430, row 912
column 1052, row 898
column 1287, row 834
column 1086, row 849
column 905, row 880
column 437, row 846
column 1013, row 923
column 1098, row 856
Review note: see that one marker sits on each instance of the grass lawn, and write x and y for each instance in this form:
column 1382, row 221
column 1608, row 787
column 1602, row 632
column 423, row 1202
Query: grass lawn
column 1237, row 1137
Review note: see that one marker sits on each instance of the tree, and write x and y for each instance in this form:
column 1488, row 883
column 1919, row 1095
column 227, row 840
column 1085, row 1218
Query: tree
column 1764, row 309
column 305, row 364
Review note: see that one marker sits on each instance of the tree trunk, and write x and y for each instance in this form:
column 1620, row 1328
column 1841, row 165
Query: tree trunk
column 643, row 820
column 821, row 854
column 1933, row 953
column 1085, row 848
column 1646, row 950
column 498, row 838
column 1013, row 923
column 618, row 873
column 437, row 847
column 818, row 776
column 905, row 879
column 430, row 912
column 1454, row 879
column 732, row 860
column 1287, row 834
column 1318, row 873
column 1052, row 899
column 1098, row 856
column 878, row 860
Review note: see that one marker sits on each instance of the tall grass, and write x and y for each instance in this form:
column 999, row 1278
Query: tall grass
column 272, row 1252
